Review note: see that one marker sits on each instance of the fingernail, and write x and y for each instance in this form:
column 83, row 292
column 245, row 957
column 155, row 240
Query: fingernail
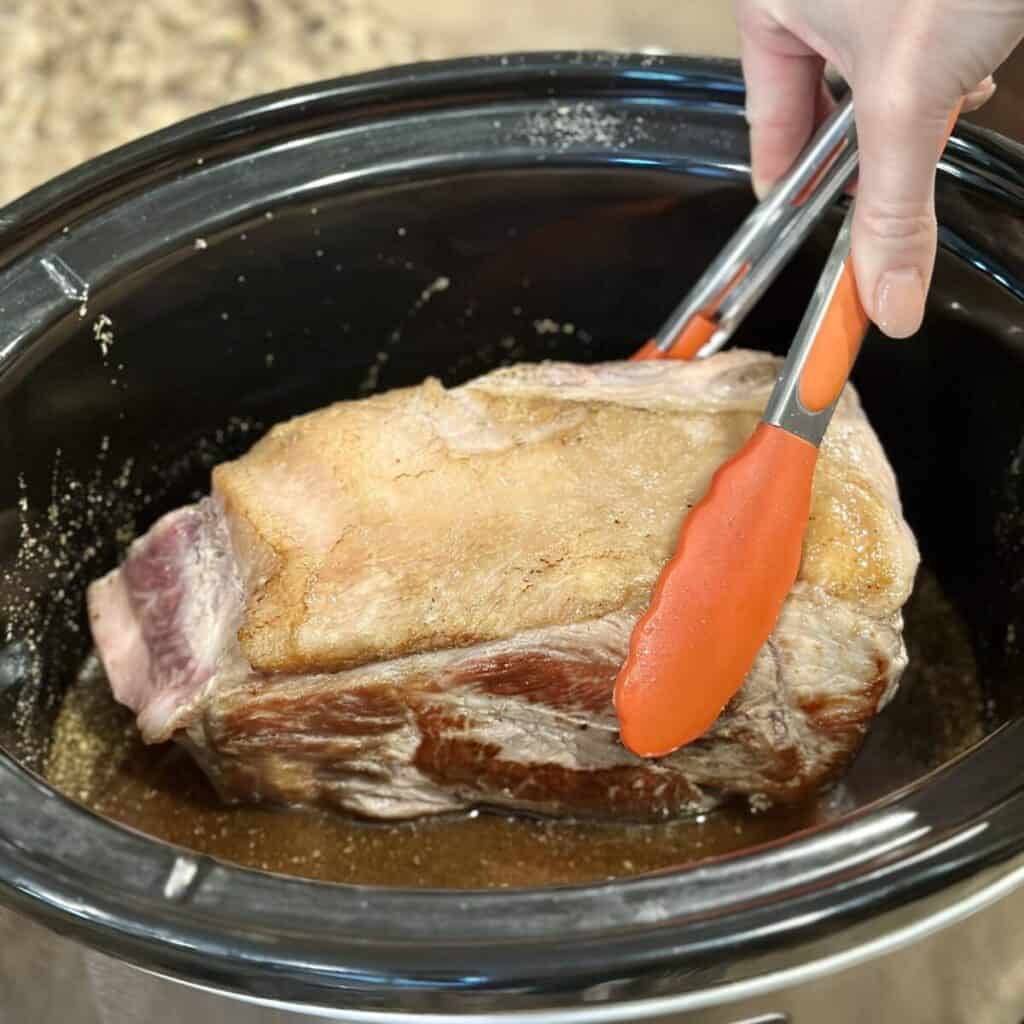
column 761, row 187
column 899, row 302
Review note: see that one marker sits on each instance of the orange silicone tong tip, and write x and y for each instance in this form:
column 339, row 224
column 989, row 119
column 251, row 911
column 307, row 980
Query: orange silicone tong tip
column 720, row 595
column 693, row 337
column 648, row 352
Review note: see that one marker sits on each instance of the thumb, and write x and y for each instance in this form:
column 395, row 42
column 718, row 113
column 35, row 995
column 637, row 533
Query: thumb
column 900, row 136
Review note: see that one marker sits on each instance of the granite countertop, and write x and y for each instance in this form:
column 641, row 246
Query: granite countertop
column 80, row 78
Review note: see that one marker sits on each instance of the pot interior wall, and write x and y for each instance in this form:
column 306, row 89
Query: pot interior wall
column 187, row 361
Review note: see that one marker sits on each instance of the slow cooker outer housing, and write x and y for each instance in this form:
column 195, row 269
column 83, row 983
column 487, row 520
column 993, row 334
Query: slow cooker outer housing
column 587, row 188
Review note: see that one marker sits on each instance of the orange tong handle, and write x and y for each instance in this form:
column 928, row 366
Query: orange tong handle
column 835, row 347
column 719, row 596
column 695, row 335
column 841, row 333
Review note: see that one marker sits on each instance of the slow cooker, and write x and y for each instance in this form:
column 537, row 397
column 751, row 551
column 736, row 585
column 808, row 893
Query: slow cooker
column 176, row 287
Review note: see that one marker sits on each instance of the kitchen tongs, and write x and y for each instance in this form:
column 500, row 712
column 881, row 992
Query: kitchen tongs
column 719, row 597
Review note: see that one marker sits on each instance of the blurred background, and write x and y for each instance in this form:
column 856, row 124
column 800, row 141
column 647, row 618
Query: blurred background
column 80, row 77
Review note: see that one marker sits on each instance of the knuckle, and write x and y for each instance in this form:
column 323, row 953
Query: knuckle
column 894, row 222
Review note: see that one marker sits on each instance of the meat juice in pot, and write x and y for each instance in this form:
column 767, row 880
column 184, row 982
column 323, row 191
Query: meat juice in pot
column 98, row 759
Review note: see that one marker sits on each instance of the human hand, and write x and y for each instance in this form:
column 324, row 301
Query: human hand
column 908, row 63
